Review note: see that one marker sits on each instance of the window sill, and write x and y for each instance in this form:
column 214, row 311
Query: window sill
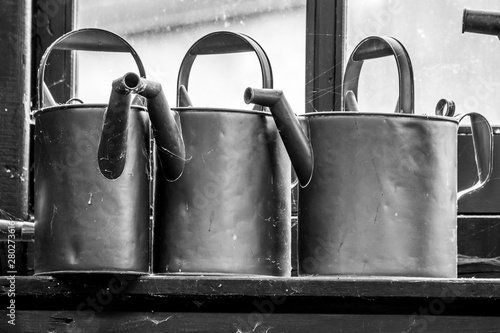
column 160, row 286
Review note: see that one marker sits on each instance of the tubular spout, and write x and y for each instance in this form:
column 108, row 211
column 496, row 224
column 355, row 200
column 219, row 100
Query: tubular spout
column 481, row 22
column 296, row 143
column 168, row 135
column 18, row 231
column 113, row 143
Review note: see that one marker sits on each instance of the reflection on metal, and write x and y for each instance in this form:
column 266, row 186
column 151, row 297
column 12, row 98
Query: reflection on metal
column 383, row 197
column 350, row 101
column 184, row 99
column 84, row 221
column 229, row 212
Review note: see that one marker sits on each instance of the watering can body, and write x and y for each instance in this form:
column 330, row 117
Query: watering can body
column 91, row 209
column 229, row 212
column 382, row 198
column 382, row 195
column 84, row 221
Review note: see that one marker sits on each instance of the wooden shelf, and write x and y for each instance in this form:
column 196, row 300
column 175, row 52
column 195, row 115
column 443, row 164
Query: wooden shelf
column 256, row 286
column 110, row 303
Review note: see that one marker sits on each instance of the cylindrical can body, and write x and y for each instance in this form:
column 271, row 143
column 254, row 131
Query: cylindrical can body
column 229, row 212
column 84, row 221
column 383, row 196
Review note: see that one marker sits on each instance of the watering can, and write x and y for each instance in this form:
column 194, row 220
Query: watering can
column 382, row 199
column 93, row 171
column 485, row 201
column 229, row 212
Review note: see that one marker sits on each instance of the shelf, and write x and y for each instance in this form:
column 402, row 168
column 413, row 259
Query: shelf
column 257, row 286
column 111, row 303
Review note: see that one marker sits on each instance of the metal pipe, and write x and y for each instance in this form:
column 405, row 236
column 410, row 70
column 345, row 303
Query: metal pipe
column 113, row 144
column 296, row 143
column 481, row 22
column 16, row 231
column 167, row 132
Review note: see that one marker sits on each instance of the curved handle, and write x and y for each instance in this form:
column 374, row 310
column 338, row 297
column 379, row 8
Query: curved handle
column 351, row 104
column 482, row 138
column 87, row 39
column 224, row 42
column 377, row 47
column 445, row 107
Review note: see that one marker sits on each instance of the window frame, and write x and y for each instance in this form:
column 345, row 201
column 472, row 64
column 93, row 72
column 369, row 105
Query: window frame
column 325, row 53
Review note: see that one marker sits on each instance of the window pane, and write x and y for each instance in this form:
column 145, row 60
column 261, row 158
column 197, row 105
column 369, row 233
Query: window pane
column 162, row 31
column 446, row 63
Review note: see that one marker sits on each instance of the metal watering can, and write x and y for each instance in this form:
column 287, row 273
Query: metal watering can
column 229, row 212
column 93, row 171
column 382, row 199
column 486, row 200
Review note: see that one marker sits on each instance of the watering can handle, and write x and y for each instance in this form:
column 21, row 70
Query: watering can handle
column 224, row 42
column 482, row 138
column 87, row 39
column 378, row 47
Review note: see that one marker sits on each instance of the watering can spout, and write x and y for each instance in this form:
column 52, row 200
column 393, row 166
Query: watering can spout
column 481, row 22
column 167, row 132
column 113, row 142
column 297, row 145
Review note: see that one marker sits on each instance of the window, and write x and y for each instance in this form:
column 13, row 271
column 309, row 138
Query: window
column 446, row 63
column 162, row 31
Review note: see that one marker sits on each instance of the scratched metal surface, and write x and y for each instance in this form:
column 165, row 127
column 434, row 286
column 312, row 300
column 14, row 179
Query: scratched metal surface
column 84, row 221
column 382, row 200
column 230, row 211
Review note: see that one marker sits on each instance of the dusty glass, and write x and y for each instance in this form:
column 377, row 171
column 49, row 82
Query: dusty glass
column 447, row 63
column 162, row 32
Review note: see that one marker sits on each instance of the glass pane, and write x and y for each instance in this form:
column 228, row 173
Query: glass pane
column 162, row 32
column 446, row 63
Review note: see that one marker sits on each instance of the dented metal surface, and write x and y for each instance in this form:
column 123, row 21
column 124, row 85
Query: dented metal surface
column 229, row 212
column 382, row 199
column 85, row 221
column 383, row 196
column 92, row 175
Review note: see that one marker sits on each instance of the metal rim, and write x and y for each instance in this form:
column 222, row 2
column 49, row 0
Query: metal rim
column 380, row 115
column 220, row 110
column 80, row 106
